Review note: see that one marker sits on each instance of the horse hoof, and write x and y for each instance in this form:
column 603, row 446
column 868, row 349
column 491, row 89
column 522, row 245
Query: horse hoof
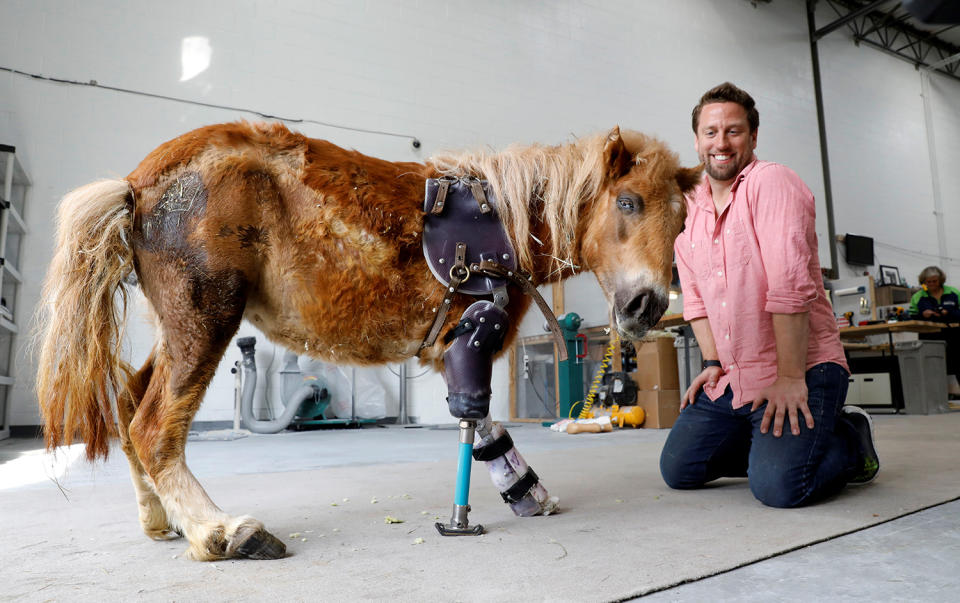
column 257, row 543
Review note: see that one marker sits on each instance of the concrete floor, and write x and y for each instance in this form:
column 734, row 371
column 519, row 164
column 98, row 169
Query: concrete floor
column 914, row 558
column 621, row 533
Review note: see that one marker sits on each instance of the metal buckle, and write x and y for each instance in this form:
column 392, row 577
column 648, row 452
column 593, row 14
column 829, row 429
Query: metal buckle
column 460, row 269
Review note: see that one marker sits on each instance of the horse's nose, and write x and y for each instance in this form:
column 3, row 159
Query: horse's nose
column 646, row 307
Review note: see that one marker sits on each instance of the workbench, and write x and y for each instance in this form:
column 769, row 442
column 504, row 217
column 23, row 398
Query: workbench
column 883, row 363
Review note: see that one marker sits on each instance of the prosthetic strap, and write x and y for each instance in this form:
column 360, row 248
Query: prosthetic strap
column 517, row 491
column 494, row 449
column 525, row 284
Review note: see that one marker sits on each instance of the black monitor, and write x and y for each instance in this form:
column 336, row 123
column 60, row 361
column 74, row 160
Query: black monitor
column 859, row 249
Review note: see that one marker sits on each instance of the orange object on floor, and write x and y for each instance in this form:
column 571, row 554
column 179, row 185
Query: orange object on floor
column 627, row 415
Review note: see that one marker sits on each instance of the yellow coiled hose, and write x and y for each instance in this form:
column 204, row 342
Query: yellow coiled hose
column 597, row 379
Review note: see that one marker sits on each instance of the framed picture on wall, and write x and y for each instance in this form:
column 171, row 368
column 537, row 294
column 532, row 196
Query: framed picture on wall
column 889, row 275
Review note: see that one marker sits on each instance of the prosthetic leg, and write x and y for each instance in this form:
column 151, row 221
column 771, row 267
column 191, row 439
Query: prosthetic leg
column 467, row 368
column 459, row 523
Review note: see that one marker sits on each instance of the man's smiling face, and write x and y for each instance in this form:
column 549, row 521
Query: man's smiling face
column 724, row 141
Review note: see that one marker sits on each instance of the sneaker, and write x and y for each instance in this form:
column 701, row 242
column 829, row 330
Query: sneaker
column 863, row 426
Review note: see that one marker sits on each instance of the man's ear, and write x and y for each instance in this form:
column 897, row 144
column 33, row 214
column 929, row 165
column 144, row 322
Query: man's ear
column 615, row 155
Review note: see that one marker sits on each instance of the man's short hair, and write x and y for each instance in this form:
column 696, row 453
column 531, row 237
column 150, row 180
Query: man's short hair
column 728, row 93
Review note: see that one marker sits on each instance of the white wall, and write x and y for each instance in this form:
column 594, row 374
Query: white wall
column 880, row 159
column 459, row 74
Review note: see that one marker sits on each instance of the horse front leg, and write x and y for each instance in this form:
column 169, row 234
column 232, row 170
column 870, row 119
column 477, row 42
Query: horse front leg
column 468, row 367
column 517, row 483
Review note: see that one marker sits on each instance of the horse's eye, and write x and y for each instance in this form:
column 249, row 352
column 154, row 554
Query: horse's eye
column 629, row 203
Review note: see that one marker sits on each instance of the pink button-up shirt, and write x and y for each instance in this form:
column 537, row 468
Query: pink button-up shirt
column 756, row 259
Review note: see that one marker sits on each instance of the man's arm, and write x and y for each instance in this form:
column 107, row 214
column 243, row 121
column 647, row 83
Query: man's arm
column 708, row 349
column 788, row 394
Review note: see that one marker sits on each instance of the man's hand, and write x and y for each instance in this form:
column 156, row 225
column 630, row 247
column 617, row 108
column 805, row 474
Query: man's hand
column 786, row 396
column 928, row 313
column 709, row 376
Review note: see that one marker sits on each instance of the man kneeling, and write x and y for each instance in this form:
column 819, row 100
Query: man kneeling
column 753, row 294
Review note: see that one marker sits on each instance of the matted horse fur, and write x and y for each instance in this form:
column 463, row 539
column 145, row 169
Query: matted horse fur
column 320, row 248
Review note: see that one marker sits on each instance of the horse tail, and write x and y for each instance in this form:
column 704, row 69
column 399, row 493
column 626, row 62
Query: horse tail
column 83, row 311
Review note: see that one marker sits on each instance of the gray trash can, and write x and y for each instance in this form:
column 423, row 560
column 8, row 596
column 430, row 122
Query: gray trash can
column 689, row 360
column 923, row 372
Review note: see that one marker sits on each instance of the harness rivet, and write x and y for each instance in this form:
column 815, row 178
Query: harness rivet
column 468, row 325
column 509, row 273
column 506, row 256
column 482, row 319
column 476, row 344
column 497, row 326
column 442, row 261
column 451, row 289
column 484, row 207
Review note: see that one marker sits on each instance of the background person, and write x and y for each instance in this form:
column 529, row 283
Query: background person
column 753, row 294
column 940, row 303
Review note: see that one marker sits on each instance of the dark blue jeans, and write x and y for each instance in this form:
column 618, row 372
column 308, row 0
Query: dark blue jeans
column 711, row 440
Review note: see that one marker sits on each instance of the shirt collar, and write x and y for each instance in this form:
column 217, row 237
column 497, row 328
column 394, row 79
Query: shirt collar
column 702, row 194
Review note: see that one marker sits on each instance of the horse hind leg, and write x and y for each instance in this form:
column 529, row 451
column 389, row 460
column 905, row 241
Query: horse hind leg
column 198, row 316
column 153, row 517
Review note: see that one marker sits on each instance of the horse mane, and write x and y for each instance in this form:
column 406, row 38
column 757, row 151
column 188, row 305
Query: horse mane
column 547, row 184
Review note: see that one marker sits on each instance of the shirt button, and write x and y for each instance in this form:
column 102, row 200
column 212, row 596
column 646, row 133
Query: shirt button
column 728, row 231
column 715, row 241
column 727, row 336
column 692, row 245
column 730, row 368
column 723, row 304
column 720, row 273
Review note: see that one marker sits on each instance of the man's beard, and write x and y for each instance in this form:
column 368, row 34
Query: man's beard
column 722, row 173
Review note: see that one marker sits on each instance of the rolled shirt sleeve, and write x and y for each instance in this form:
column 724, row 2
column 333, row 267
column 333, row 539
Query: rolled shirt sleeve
column 785, row 223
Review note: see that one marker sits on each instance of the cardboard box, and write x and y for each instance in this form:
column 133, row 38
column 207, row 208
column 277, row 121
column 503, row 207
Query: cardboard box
column 656, row 364
column 662, row 407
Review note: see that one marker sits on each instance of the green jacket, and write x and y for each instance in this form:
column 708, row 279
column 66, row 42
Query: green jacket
column 949, row 301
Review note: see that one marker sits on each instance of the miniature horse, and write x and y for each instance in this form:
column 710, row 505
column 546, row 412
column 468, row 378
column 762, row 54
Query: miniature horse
column 320, row 248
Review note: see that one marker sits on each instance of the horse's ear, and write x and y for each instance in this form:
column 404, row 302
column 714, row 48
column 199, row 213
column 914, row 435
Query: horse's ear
column 615, row 155
column 688, row 178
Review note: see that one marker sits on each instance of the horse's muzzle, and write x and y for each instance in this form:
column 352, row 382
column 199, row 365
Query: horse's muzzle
column 638, row 314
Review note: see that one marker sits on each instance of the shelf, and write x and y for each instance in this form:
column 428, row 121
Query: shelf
column 9, row 326
column 11, row 270
column 14, row 186
column 20, row 177
column 16, row 222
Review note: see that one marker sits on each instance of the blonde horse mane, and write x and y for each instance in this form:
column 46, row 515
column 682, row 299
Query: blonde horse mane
column 550, row 182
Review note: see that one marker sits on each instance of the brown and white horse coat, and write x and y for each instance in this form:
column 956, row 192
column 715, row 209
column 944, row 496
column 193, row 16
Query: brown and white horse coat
column 320, row 248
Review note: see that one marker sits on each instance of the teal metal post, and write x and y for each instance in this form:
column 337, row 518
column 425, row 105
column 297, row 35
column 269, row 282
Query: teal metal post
column 570, row 371
column 459, row 522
